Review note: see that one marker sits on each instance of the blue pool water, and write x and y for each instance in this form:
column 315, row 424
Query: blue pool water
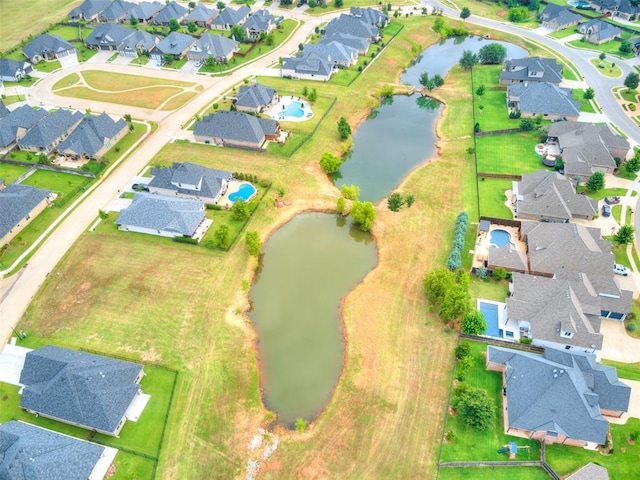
column 579, row 4
column 490, row 312
column 500, row 238
column 294, row 109
column 245, row 192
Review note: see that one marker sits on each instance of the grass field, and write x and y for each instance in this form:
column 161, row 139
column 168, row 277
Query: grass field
column 181, row 306
column 493, row 115
column 493, row 473
column 585, row 105
column 511, row 153
column 22, row 22
column 608, row 69
column 117, row 82
column 492, row 197
column 10, row 172
column 61, row 183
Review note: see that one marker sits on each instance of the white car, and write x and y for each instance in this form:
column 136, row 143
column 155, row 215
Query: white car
column 620, row 269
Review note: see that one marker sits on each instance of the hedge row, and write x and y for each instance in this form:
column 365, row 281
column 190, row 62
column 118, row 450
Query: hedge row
column 454, row 262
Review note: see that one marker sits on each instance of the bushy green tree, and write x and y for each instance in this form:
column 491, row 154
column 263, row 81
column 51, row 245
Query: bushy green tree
column 253, row 243
column 465, row 13
column 240, row 210
column 625, row 47
column 480, row 90
column 395, row 201
column 624, row 235
column 449, row 292
column 468, row 60
column 492, row 54
column 363, row 215
column 350, row 192
column 330, row 163
column 222, row 236
column 340, row 205
column 238, row 33
column 344, row 129
column 595, row 182
column 589, row 93
column 191, row 27
column 454, row 262
column 518, row 14
column 474, row 323
column 174, row 25
column 631, row 81
column 632, row 165
column 463, row 350
column 475, row 407
column 527, row 124
column 410, row 199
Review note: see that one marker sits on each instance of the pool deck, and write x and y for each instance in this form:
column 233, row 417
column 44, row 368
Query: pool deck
column 483, row 243
column 283, row 103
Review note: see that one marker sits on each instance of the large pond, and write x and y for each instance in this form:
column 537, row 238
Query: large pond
column 308, row 267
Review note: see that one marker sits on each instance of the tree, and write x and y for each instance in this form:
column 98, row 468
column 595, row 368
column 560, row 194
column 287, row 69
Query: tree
column 595, row 182
column 338, row 3
column 240, row 210
column 463, row 350
column 632, row 81
column 518, row 14
column 192, row 4
column 632, row 165
column 103, row 215
column 363, row 214
column 133, row 20
column 465, row 13
column 313, row 95
column 589, row 93
column 253, row 243
column 222, row 236
column 301, row 425
column 456, row 303
column 492, row 54
column 191, row 27
column 330, row 163
column 527, row 124
column 625, row 47
column 395, row 201
column 449, row 291
column 474, row 323
column 174, row 25
column 475, row 407
column 602, row 56
column 238, row 33
column 468, row 60
column 343, row 128
column 167, row 58
column 480, row 90
column 313, row 4
column 340, row 205
column 221, row 5
column 127, row 117
column 624, row 235
column 410, row 199
column 350, row 192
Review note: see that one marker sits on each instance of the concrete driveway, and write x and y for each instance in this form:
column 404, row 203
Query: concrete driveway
column 11, row 362
column 101, row 57
column 69, row 61
column 190, row 67
column 617, row 345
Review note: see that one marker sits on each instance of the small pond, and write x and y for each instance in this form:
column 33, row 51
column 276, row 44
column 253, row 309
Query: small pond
column 308, row 267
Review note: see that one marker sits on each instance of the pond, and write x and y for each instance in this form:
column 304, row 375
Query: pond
column 308, row 267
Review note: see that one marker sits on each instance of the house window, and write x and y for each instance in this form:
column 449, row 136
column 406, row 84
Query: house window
column 567, row 347
column 509, row 334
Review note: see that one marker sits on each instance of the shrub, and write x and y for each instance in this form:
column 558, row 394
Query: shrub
column 301, row 425
column 463, row 350
column 526, row 340
column 515, row 115
column 499, row 273
column 189, row 240
column 211, row 206
column 631, row 327
column 454, row 262
column 463, row 367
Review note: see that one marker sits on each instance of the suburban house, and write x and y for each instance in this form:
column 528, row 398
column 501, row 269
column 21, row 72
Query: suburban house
column 171, row 11
column 78, row 388
column 88, row 10
column 201, row 15
column 261, row 22
column 145, row 11
column 587, row 148
column 541, row 98
column 355, row 26
column 220, row 48
column 308, row 66
column 108, row 36
column 138, row 42
column 370, row 15
column 617, row 8
column 550, row 197
column 47, row 47
column 335, row 53
column 16, row 124
column 176, row 44
column 558, row 397
column 255, row 98
column 4, row 111
column 598, row 32
column 590, row 471
column 555, row 17
column 118, row 11
column 236, row 129
column 229, row 17
column 162, row 216
column 93, row 137
column 531, row 69
column 13, row 71
column 360, row 44
column 30, row 452
column 45, row 135
column 19, row 204
column 187, row 180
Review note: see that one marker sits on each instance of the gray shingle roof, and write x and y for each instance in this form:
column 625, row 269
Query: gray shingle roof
column 46, row 43
column 12, row 69
column 215, row 46
column 544, row 98
column 201, row 13
column 78, row 387
column 167, row 214
column 255, row 96
column 89, row 8
column 208, row 180
column 171, row 10
column 50, row 128
column 117, row 10
column 533, row 69
column 138, row 40
column 551, row 195
column 23, row 117
column 352, row 26
column 507, row 257
column 307, row 64
column 333, row 51
column 617, row 5
column 4, row 111
column 146, row 10
column 230, row 16
column 16, row 202
column 561, row 14
column 260, row 21
column 28, row 452
column 590, row 471
column 370, row 15
column 601, row 30
column 92, row 134
column 235, row 126
column 107, row 35
column 358, row 43
column 175, row 43
column 564, row 397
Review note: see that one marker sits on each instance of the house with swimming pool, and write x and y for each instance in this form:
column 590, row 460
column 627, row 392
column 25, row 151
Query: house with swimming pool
column 187, row 180
column 237, row 129
column 255, row 98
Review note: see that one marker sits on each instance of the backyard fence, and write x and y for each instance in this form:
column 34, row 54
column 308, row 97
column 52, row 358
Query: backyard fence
column 502, row 221
column 505, row 176
column 503, row 343
column 51, row 168
column 497, row 132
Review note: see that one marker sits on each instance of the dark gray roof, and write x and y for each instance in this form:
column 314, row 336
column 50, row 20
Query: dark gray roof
column 601, row 30
column 167, row 214
column 307, row 64
column 507, row 257
column 551, row 195
column 50, row 128
column 533, row 69
column 4, row 111
column 139, row 39
column 181, row 176
column 215, row 46
column 560, row 14
column 333, row 51
column 107, row 35
column 352, row 26
column 118, row 9
column 28, row 452
column 590, row 471
column 175, row 43
column 89, row 8
column 544, row 98
column 370, row 15
column 46, row 43
column 230, row 16
column 13, row 68
column 235, row 126
column 617, row 5
column 78, row 387
column 21, row 117
column 92, row 134
column 201, row 13
column 358, row 43
column 546, row 395
column 16, row 202
column 260, row 21
column 255, row 96
column 170, row 10
column 146, row 10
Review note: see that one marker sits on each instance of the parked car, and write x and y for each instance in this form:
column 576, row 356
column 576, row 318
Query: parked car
column 606, row 210
column 612, row 200
column 620, row 269
column 139, row 187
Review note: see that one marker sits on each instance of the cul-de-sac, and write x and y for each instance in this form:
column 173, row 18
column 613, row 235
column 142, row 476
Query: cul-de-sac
column 319, row 239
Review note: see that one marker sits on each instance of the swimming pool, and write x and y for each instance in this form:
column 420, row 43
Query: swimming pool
column 490, row 312
column 500, row 238
column 294, row 109
column 579, row 4
column 245, row 191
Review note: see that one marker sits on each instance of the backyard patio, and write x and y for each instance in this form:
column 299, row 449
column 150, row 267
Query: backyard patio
column 493, row 235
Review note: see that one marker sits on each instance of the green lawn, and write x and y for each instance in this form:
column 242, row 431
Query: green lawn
column 488, row 289
column 130, row 466
column 24, row 156
column 493, row 198
column 493, row 115
column 48, row 66
column 563, row 33
column 69, row 32
column 493, row 473
column 10, row 172
column 512, row 153
column 585, row 105
column 471, row 445
column 610, row 48
column 603, row 192
column 61, row 183
column 606, row 67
